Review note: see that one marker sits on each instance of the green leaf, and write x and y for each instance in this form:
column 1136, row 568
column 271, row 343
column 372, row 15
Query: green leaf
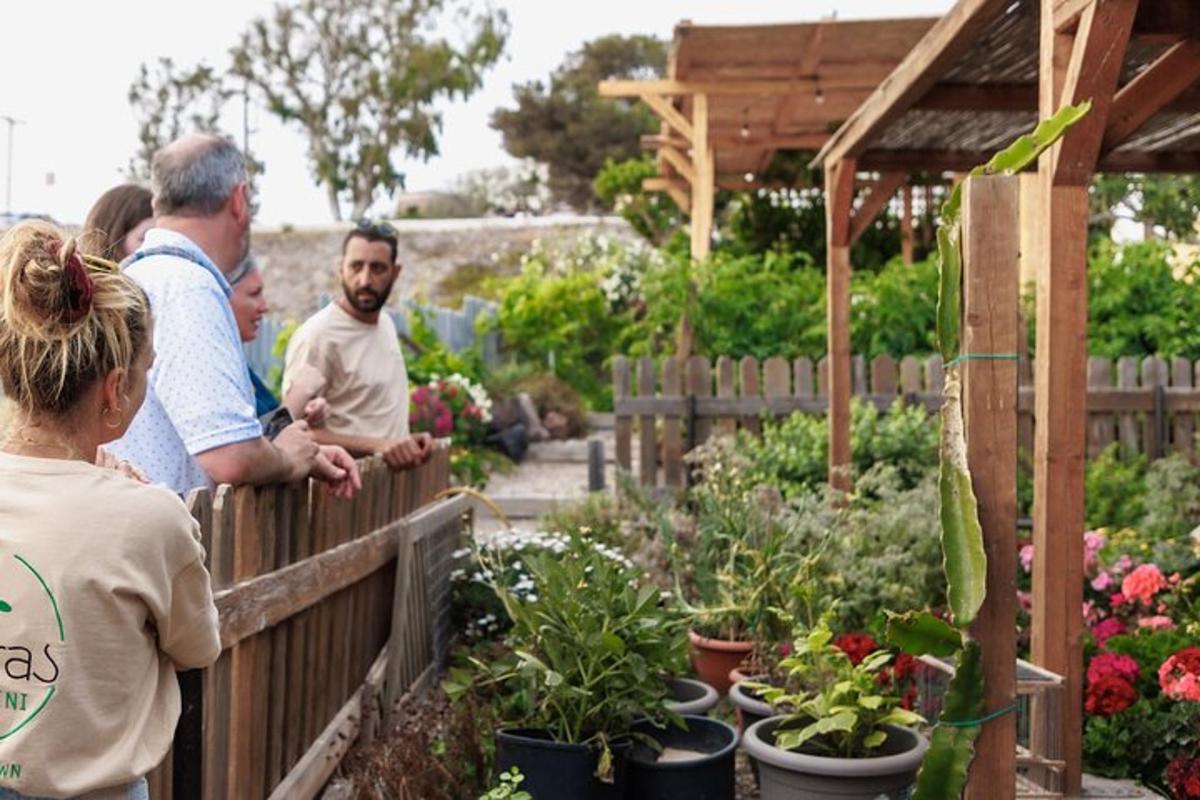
column 920, row 633
column 962, row 536
column 943, row 773
column 1026, row 149
column 902, row 717
column 949, row 290
column 871, row 701
column 873, row 740
column 612, row 643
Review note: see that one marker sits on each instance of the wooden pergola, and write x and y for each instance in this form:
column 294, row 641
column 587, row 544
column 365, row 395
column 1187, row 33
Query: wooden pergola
column 1011, row 62
column 735, row 95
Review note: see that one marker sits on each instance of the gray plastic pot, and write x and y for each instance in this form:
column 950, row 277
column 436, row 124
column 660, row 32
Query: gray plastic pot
column 690, row 697
column 786, row 775
column 750, row 707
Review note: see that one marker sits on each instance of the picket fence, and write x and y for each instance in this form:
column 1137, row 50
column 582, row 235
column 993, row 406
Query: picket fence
column 1149, row 406
column 330, row 611
column 455, row 329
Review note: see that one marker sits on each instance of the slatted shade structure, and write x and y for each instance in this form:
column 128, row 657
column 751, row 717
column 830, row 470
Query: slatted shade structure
column 985, row 73
column 736, row 95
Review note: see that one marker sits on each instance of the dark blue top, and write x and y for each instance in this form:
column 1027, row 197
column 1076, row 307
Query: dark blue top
column 264, row 401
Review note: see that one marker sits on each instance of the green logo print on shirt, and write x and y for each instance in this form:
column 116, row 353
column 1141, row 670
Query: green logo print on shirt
column 30, row 635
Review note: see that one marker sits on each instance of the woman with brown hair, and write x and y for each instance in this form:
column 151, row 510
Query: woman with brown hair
column 118, row 221
column 103, row 589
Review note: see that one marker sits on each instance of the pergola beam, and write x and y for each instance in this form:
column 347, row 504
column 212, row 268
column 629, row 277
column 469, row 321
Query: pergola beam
column 669, row 114
column 1153, row 88
column 939, row 50
column 1118, row 161
column 741, row 87
column 802, row 141
column 681, row 164
column 839, row 202
column 878, row 194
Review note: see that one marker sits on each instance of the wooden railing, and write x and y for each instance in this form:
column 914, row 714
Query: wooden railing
column 1148, row 405
column 329, row 610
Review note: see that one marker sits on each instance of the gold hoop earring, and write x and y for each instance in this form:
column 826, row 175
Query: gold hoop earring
column 109, row 425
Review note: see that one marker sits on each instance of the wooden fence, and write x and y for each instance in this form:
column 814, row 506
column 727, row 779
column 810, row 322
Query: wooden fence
column 329, row 609
column 1148, row 405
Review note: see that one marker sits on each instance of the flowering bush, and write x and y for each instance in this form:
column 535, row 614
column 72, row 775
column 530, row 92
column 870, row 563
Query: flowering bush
column 453, row 406
column 1109, row 695
column 1179, row 676
column 856, row 646
column 1183, row 776
column 1113, row 665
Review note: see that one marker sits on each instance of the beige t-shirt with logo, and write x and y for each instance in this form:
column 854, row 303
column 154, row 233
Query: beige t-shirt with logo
column 103, row 595
column 361, row 372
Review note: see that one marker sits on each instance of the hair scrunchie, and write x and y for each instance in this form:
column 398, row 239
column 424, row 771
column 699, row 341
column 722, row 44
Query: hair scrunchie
column 80, row 287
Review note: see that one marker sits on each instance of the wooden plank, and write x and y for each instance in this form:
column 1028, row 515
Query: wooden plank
column 681, row 164
column 1183, row 428
column 991, row 253
column 883, row 375
column 218, row 678
column 704, row 184
column 1096, row 58
column 765, row 87
column 668, row 114
column 647, row 434
column 822, row 373
column 1127, row 423
column 1154, row 375
column 936, row 53
column 839, row 194
column 906, row 226
column 245, row 731
column 294, row 743
column 748, row 384
column 1059, row 453
column 699, row 384
column 910, row 375
column 777, row 379
column 1101, row 426
column 726, row 390
column 881, row 191
column 265, row 695
column 622, row 388
column 1151, row 90
column 673, row 470
column 317, row 765
column 802, row 376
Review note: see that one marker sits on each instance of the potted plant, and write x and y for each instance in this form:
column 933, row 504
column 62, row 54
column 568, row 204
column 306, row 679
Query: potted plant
column 696, row 761
column 690, row 697
column 589, row 644
column 736, row 570
column 842, row 735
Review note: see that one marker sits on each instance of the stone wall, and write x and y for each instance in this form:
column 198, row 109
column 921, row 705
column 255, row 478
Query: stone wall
column 299, row 264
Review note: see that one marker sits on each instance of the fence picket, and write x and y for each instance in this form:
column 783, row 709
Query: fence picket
column 749, row 386
column 726, row 426
column 1183, row 432
column 672, row 381
column 646, row 424
column 622, row 384
column 883, row 378
column 699, row 382
column 802, row 370
column 1101, row 426
column 823, row 377
column 1154, row 375
column 1127, row 424
column 910, row 375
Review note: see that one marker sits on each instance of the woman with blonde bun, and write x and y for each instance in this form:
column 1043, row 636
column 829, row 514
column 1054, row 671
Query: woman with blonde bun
column 103, row 589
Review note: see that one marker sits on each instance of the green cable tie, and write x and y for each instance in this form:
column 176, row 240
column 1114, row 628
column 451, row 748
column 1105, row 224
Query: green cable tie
column 972, row 723
column 983, row 357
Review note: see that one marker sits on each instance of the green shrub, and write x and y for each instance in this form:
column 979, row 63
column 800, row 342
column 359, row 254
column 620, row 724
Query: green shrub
column 1115, row 489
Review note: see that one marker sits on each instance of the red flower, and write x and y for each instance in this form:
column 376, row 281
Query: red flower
column 856, row 646
column 909, row 699
column 1106, row 629
column 1109, row 695
column 1183, row 776
column 1106, row 665
column 1179, row 675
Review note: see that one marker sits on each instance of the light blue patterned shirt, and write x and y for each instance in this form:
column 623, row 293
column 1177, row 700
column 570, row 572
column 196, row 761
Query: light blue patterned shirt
column 199, row 395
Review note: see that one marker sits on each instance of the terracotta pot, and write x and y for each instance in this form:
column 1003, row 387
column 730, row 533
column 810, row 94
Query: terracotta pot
column 738, row 674
column 713, row 659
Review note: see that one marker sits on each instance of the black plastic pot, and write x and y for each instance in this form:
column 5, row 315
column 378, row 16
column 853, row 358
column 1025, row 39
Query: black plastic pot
column 557, row 771
column 689, row 696
column 708, row 777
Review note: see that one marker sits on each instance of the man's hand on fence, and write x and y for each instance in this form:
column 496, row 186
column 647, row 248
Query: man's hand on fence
column 301, row 451
column 337, row 468
column 402, row 453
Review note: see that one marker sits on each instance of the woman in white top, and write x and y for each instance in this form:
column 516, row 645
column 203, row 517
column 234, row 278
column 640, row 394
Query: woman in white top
column 103, row 589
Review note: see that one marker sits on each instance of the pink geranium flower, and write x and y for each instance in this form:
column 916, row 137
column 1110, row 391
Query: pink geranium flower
column 1179, row 675
column 1102, row 581
column 1113, row 664
column 1106, row 629
column 1156, row 623
column 1027, row 557
column 1117, row 600
column 1143, row 583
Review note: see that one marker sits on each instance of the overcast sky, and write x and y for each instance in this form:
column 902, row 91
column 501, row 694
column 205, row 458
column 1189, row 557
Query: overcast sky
column 65, row 69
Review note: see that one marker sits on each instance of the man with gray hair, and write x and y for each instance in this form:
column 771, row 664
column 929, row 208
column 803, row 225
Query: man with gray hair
column 197, row 426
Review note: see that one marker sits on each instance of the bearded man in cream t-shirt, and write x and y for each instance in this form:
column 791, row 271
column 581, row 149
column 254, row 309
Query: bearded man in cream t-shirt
column 349, row 354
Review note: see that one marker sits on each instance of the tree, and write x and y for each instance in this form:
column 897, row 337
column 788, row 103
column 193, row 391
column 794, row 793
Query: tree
column 654, row 215
column 1171, row 202
column 361, row 79
column 568, row 127
column 168, row 103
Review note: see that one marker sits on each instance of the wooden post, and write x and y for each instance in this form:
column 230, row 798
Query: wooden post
column 704, row 172
column 906, row 226
column 991, row 250
column 839, row 198
column 1074, row 66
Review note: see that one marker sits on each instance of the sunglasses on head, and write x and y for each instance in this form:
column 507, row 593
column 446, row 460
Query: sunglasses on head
column 374, row 228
